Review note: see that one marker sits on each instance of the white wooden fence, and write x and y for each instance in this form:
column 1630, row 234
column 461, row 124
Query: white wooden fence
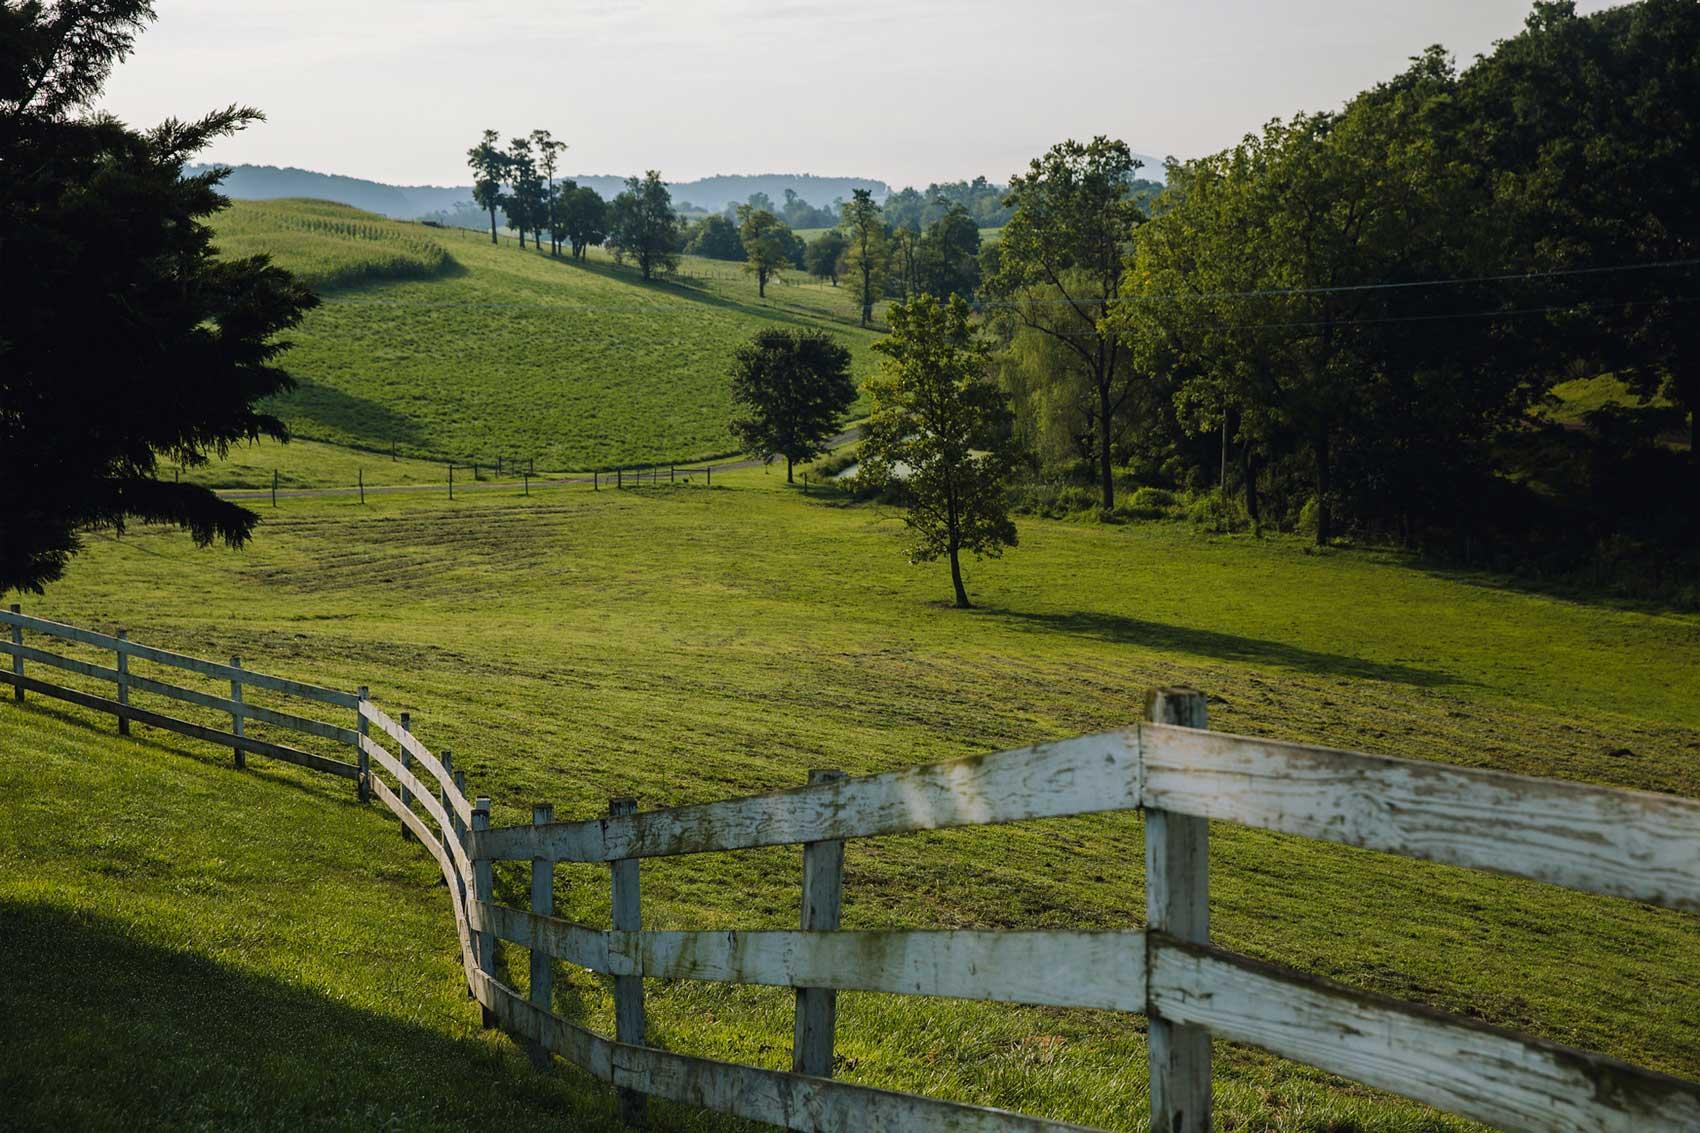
column 1634, row 845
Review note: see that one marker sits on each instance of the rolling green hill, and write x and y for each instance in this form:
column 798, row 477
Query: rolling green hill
column 443, row 346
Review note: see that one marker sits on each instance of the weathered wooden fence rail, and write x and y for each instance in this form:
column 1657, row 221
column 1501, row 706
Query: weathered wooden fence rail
column 1627, row 844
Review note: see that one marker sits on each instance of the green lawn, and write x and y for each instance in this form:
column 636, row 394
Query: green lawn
column 511, row 354
column 690, row 644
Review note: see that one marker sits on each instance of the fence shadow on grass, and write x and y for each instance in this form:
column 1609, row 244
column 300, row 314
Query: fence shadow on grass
column 104, row 1031
column 1119, row 629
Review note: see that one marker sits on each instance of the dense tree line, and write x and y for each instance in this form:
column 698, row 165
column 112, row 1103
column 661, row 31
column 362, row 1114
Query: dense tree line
column 517, row 184
column 1352, row 317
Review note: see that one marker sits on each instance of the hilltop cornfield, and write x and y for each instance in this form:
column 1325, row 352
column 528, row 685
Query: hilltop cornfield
column 330, row 245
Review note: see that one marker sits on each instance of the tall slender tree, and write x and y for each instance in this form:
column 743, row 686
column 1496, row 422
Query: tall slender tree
column 943, row 435
column 489, row 170
column 867, row 256
column 548, row 160
column 766, row 243
column 1060, row 267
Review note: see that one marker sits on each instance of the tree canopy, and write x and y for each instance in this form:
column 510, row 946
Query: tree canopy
column 792, row 389
column 127, row 340
column 643, row 225
column 942, row 434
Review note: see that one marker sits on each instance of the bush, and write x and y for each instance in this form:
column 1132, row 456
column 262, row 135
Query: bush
column 1218, row 514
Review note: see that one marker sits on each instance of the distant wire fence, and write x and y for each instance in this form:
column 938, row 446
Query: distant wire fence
column 1180, row 775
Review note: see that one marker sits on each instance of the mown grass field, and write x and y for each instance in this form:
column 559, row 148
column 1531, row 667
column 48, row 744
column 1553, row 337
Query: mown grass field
column 329, row 245
column 514, row 354
column 690, row 644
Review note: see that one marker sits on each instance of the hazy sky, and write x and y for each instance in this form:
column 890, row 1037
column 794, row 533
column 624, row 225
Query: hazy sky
column 910, row 92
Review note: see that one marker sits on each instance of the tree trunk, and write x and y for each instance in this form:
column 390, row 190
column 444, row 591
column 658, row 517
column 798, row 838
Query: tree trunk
column 493, row 239
column 1324, row 489
column 522, row 238
column 788, row 479
column 1249, row 462
column 962, row 602
column 1106, row 480
column 761, row 285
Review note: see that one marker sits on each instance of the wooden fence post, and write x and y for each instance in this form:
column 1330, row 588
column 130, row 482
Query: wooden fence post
column 452, row 830
column 817, row 1007
column 406, row 762
column 1177, row 903
column 451, row 480
column 482, row 890
column 628, row 990
column 595, row 480
column 238, row 723
column 620, row 477
column 274, row 487
column 362, row 474
column 363, row 784
column 123, row 635
column 18, row 658
column 543, row 904
column 711, row 476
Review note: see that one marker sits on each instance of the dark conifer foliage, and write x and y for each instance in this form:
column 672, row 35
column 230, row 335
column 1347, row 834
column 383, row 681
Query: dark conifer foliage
column 123, row 340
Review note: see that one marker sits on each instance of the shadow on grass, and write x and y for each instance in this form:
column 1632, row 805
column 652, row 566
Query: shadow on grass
column 111, row 1032
column 1121, row 630
column 374, row 425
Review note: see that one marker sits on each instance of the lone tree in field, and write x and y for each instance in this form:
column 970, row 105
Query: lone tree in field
column 793, row 388
column 866, row 256
column 1060, row 265
column 767, row 245
column 116, row 352
column 489, row 168
column 944, row 432
column 643, row 225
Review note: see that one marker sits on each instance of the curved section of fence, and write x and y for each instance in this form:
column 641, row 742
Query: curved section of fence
column 1626, row 844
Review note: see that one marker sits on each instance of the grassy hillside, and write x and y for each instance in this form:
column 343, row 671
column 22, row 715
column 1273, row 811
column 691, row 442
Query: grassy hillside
column 330, row 245
column 688, row 644
column 503, row 353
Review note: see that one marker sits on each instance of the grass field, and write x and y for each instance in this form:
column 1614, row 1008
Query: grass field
column 518, row 355
column 330, row 245
column 690, row 644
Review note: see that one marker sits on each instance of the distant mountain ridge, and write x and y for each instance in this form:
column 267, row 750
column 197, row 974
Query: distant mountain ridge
column 407, row 202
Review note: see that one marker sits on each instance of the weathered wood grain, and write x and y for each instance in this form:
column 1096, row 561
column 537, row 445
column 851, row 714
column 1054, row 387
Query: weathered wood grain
column 629, row 1021
column 417, row 792
column 248, row 711
column 790, row 1101
column 1621, row 843
column 542, row 985
column 123, row 684
column 1503, row 1079
column 482, row 889
column 564, row 940
column 445, row 781
column 184, row 727
column 815, row 1020
column 177, row 660
column 1049, row 968
column 69, row 664
column 1177, row 902
column 17, row 659
column 1077, row 776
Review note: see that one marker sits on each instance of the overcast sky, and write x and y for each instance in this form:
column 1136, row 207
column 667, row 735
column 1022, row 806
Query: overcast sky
column 925, row 90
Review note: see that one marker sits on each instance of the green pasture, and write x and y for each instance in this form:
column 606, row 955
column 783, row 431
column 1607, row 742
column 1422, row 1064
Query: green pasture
column 516, row 354
column 219, row 949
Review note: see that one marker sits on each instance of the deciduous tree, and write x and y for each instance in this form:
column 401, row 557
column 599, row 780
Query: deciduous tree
column 489, row 170
column 866, row 258
column 825, row 255
column 1062, row 253
column 643, row 225
column 792, row 388
column 943, row 433
column 767, row 244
